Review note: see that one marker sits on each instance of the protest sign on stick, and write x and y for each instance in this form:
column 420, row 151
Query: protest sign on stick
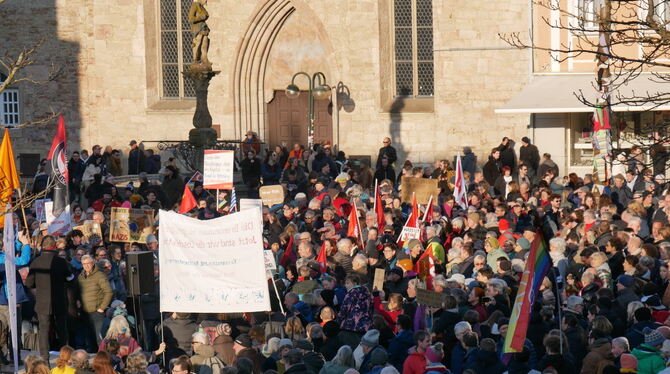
column 218, row 169
column 423, row 188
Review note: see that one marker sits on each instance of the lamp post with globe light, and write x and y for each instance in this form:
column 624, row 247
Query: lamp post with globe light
column 318, row 89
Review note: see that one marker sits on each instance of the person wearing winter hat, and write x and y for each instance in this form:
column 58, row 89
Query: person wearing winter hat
column 434, row 355
column 415, row 249
column 628, row 363
column 368, row 341
column 223, row 343
column 243, row 348
column 648, row 354
column 493, row 250
column 271, row 353
column 313, row 360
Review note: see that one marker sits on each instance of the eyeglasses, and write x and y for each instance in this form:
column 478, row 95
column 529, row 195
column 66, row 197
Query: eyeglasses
column 196, row 343
column 479, row 264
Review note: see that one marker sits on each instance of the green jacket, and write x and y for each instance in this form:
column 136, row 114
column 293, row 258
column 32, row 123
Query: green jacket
column 95, row 291
column 649, row 359
column 493, row 256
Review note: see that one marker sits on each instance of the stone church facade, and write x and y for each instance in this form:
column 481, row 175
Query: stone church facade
column 429, row 74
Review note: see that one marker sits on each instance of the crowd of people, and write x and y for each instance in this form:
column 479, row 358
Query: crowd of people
column 602, row 308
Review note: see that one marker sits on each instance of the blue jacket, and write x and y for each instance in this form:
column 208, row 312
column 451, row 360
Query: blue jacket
column 22, row 260
column 398, row 347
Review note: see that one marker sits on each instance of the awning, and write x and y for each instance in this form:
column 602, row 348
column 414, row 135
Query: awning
column 556, row 94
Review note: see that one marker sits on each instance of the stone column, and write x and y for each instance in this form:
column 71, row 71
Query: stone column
column 202, row 135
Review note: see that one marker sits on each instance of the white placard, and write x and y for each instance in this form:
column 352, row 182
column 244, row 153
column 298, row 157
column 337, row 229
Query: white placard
column 270, row 263
column 60, row 225
column 39, row 210
column 214, row 266
column 218, row 169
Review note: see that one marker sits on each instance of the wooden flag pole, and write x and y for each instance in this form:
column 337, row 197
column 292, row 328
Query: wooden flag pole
column 23, row 211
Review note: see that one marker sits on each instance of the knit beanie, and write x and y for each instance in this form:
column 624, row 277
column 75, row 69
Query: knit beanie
column 223, row 329
column 493, row 242
column 435, row 353
column 628, row 361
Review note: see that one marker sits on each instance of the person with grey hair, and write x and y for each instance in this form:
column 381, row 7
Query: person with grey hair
column 620, row 346
column 205, row 359
column 344, row 254
column 497, row 291
column 79, row 361
column 343, row 360
column 459, row 351
column 557, row 252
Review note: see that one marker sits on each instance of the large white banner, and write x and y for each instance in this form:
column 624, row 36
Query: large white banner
column 218, row 169
column 213, row 266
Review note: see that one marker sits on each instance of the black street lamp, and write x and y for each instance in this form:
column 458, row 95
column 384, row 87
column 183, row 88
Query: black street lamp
column 318, row 89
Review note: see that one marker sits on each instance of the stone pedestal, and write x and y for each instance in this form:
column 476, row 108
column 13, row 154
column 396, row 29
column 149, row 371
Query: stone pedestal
column 203, row 135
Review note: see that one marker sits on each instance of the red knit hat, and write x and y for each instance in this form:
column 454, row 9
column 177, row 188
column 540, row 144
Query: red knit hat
column 628, row 361
column 503, row 224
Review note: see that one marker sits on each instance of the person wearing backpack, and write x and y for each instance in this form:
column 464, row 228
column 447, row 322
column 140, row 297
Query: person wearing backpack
column 205, row 359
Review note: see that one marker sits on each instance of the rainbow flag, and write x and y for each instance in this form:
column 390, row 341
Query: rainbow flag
column 536, row 269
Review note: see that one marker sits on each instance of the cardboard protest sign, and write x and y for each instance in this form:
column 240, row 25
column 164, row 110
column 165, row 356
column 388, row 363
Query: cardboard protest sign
column 272, row 195
column 131, row 225
column 429, row 298
column 422, row 187
column 218, row 265
column 89, row 228
column 218, row 169
column 380, row 277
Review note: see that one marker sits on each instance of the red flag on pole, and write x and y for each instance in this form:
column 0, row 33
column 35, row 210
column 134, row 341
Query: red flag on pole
column 428, row 216
column 58, row 157
column 322, row 259
column 187, row 201
column 354, row 227
column 379, row 210
column 289, row 256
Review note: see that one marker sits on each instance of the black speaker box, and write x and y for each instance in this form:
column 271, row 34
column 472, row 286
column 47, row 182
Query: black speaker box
column 140, row 270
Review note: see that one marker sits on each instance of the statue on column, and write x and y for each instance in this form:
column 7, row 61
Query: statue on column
column 198, row 16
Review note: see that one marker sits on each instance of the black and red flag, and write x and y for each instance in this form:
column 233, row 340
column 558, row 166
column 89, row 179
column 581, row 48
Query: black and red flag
column 58, row 157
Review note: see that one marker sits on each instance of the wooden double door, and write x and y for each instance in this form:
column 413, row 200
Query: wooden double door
column 287, row 120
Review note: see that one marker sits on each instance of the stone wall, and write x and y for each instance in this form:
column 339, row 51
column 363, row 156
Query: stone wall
column 109, row 95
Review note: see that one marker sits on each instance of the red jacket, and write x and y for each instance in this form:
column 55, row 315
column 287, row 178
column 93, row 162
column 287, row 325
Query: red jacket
column 391, row 317
column 99, row 205
column 415, row 364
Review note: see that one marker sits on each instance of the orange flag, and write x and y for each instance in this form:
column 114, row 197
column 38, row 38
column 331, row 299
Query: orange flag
column 9, row 177
column 354, row 227
column 187, row 201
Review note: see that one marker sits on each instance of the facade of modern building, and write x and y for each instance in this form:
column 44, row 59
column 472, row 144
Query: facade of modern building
column 434, row 76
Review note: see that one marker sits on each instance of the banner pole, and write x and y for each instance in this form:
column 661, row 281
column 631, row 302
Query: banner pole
column 163, row 341
column 281, row 307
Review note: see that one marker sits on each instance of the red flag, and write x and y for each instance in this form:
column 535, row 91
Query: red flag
column 354, row 227
column 414, row 222
column 58, row 157
column 321, row 258
column 379, row 209
column 187, row 201
column 428, row 216
column 289, row 256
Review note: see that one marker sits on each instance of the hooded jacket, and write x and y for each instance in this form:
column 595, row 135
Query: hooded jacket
column 649, row 359
column 204, row 353
column 599, row 351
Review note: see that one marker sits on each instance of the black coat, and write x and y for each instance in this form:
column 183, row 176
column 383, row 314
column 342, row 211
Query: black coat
column 530, row 156
column 389, row 152
column 491, row 170
column 48, row 274
column 507, row 156
column 135, row 161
